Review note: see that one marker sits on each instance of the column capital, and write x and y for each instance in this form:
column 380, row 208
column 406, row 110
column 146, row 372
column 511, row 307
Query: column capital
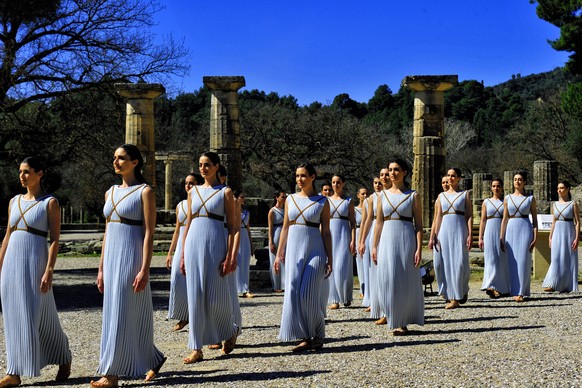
column 140, row 90
column 224, row 83
column 437, row 83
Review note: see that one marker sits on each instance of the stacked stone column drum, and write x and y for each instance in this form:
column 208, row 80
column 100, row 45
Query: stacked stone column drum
column 139, row 122
column 168, row 186
column 481, row 191
column 545, row 184
column 225, row 125
column 428, row 136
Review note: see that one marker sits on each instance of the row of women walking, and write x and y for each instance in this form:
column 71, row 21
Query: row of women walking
column 208, row 259
column 312, row 237
column 507, row 236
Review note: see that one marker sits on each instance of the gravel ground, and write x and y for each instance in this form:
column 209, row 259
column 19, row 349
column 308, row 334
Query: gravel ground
column 484, row 343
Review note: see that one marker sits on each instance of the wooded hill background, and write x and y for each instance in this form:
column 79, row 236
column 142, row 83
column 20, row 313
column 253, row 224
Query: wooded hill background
column 488, row 129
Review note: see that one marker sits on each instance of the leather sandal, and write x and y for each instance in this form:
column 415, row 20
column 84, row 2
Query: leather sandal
column 334, row 306
column 195, row 356
column 180, row 325
column 317, row 343
column 64, row 372
column 381, row 321
column 106, row 382
column 453, row 304
column 400, row 332
column 152, row 373
column 228, row 345
column 303, row 346
column 10, row 381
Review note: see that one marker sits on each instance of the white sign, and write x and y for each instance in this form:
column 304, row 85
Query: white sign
column 544, row 221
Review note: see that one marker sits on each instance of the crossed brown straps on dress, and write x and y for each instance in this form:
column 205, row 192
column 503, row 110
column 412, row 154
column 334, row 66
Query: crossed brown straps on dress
column 359, row 211
column 124, row 220
column 307, row 223
column 494, row 215
column 514, row 215
column 280, row 212
column 395, row 210
column 203, row 205
column 28, row 228
column 336, row 211
column 557, row 218
column 451, row 206
column 183, row 223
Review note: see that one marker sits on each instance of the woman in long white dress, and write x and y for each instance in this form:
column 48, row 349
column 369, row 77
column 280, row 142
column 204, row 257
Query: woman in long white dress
column 343, row 234
column 245, row 249
column 496, row 273
column 207, row 260
column 33, row 333
column 361, row 269
column 562, row 275
column 437, row 258
column 375, row 307
column 178, row 303
column 305, row 248
column 275, row 223
column 397, row 251
column 127, row 339
column 452, row 235
column 518, row 237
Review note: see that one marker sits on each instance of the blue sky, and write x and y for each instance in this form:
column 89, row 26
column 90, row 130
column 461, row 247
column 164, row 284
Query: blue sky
column 315, row 50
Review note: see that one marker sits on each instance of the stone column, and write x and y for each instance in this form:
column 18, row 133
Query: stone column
column 486, row 188
column 428, row 136
column 545, row 180
column 224, row 124
column 168, row 185
column 139, row 122
column 466, row 183
column 479, row 194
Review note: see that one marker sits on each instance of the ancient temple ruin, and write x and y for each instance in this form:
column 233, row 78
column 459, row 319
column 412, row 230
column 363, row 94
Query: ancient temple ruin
column 139, row 122
column 224, row 124
column 429, row 136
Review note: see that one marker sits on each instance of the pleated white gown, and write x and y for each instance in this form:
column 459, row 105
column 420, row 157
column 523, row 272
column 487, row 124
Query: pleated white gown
column 452, row 242
column 562, row 275
column 210, row 304
column 366, row 265
column 33, row 333
column 305, row 261
column 496, row 272
column 341, row 281
column 362, row 275
column 178, row 304
column 244, row 255
column 127, row 339
column 518, row 237
column 278, row 280
column 437, row 260
column 399, row 281
column 374, row 301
